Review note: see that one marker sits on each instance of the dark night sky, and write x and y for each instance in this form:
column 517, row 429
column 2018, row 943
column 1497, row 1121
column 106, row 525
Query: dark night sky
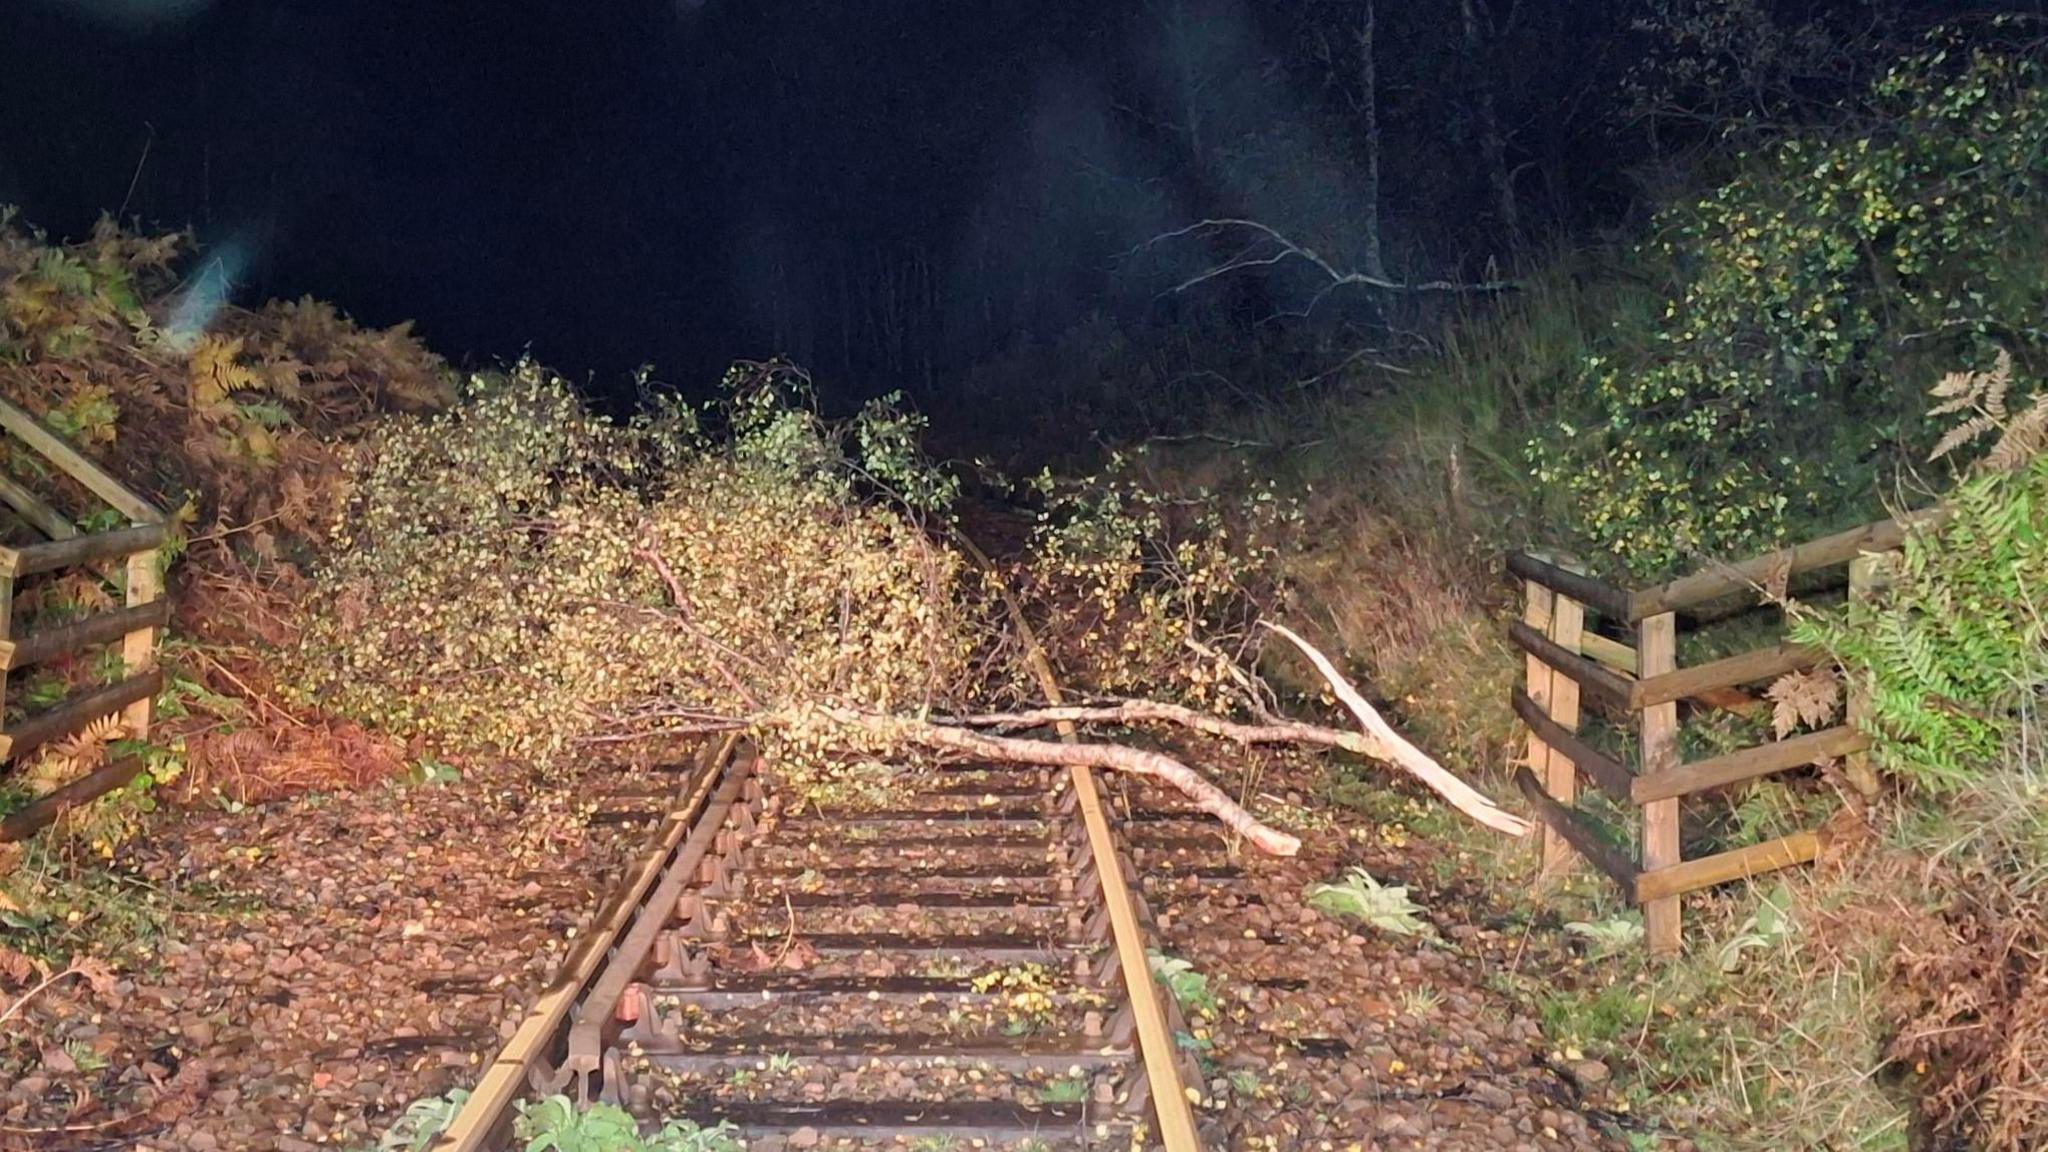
column 590, row 178
column 885, row 189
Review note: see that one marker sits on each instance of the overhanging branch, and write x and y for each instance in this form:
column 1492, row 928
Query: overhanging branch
column 1268, row 246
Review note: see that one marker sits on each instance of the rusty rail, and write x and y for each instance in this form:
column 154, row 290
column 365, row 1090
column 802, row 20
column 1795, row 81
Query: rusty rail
column 662, row 948
column 1165, row 1077
column 486, row 1116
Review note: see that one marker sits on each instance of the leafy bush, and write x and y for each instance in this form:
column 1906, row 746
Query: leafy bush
column 518, row 572
column 1762, row 398
column 1156, row 594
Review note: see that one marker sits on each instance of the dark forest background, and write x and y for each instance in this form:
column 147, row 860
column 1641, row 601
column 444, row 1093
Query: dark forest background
column 885, row 192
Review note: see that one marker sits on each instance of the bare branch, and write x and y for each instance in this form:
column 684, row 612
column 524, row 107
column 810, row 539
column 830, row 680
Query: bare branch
column 1269, row 247
column 1113, row 757
column 1273, row 731
column 1397, row 750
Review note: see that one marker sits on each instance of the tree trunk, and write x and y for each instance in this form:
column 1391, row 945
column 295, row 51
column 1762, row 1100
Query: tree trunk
column 1113, row 757
column 1373, row 259
column 1493, row 152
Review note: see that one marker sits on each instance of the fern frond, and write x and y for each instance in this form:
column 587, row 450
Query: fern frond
column 1996, row 384
column 2025, row 438
column 1957, row 392
column 1972, row 429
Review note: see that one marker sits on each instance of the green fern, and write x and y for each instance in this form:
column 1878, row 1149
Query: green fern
column 1946, row 653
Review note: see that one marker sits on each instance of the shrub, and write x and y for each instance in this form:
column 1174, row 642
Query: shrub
column 518, row 572
column 1761, row 400
column 1156, row 594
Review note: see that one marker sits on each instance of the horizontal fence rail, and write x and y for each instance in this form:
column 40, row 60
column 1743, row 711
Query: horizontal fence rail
column 1643, row 685
column 131, row 559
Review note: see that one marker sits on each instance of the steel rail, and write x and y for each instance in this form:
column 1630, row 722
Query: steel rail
column 483, row 1119
column 1156, row 1046
column 586, row 1038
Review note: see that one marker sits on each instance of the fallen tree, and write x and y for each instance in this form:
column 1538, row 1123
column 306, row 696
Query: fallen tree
column 1379, row 741
column 521, row 575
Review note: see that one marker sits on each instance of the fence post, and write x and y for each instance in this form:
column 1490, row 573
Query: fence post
column 6, row 633
column 1868, row 572
column 1656, row 654
column 1561, row 779
column 138, row 648
column 1539, row 605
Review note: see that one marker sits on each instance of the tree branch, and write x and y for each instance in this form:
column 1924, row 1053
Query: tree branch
column 1398, row 751
column 1283, row 249
column 1113, row 757
column 1272, row 731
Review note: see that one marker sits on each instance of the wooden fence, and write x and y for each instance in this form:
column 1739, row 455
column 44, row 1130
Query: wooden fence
column 1569, row 664
column 131, row 557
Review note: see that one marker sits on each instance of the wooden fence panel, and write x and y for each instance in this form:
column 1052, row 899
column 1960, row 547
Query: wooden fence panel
column 1613, row 777
column 1565, row 661
column 1608, row 687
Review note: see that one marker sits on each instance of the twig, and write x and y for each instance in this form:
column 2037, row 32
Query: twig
column 29, row 995
column 668, row 577
column 227, row 532
column 1212, row 437
column 1287, row 249
column 253, row 694
column 136, row 179
column 789, row 936
column 675, row 591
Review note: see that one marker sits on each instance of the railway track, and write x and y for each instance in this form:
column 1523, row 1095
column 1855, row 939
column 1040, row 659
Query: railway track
column 965, row 968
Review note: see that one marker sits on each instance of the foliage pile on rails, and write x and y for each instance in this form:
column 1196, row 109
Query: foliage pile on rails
column 521, row 575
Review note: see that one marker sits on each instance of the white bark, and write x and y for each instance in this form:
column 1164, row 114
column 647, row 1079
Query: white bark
column 1395, row 749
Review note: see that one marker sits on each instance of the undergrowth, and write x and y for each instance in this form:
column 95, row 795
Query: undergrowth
column 1751, row 370
column 232, row 421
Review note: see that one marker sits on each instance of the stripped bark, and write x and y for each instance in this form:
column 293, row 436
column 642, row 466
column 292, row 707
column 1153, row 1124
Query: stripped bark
column 1111, row 757
column 1271, row 731
column 1402, row 754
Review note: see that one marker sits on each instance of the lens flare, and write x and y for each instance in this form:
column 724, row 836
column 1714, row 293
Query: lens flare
column 209, row 289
